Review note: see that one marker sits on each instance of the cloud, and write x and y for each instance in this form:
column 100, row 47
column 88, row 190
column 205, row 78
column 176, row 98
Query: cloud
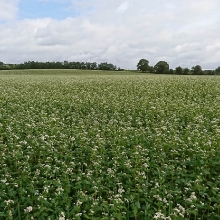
column 122, row 32
column 123, row 7
column 8, row 9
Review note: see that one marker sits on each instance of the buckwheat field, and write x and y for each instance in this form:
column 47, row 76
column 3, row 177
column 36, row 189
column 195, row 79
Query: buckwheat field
column 134, row 147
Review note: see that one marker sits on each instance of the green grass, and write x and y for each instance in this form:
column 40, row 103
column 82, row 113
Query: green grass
column 100, row 146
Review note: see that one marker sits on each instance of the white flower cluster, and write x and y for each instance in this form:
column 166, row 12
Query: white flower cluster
column 9, row 202
column 28, row 209
column 179, row 210
column 62, row 216
column 192, row 197
column 159, row 215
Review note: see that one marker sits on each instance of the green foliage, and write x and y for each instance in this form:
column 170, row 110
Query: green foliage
column 4, row 66
column 151, row 69
column 171, row 71
column 208, row 72
column 197, row 70
column 106, row 66
column 162, row 67
column 179, row 70
column 109, row 147
column 217, row 71
column 143, row 65
column 65, row 65
column 186, row 71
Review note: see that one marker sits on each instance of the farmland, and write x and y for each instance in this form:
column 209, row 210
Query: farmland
column 100, row 146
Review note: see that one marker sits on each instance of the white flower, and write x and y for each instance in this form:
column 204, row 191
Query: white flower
column 10, row 213
column 62, row 216
column 79, row 203
column 79, row 214
column 28, row 209
column 59, row 189
column 8, row 201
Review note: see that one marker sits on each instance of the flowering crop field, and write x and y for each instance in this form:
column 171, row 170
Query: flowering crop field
column 110, row 147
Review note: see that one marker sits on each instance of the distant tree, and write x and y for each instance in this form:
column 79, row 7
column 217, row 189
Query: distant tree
column 106, row 66
column 151, row 69
column 143, row 65
column 171, row 71
column 58, row 65
column 209, row 72
column 179, row 70
column 61, row 65
column 186, row 71
column 21, row 66
column 83, row 65
column 217, row 71
column 66, row 65
column 2, row 66
column 77, row 65
column 88, row 65
column 197, row 70
column 5, row 67
column 161, row 67
column 93, row 65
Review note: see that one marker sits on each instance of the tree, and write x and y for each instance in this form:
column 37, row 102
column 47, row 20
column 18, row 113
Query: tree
column 106, row 66
column 3, row 66
column 143, row 65
column 179, row 70
column 93, row 66
column 197, row 70
column 66, row 64
column 151, row 69
column 186, row 71
column 171, row 71
column 83, row 65
column 161, row 67
column 208, row 72
column 217, row 71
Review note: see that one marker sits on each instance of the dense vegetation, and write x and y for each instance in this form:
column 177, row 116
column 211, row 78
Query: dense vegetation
column 162, row 67
column 109, row 147
column 60, row 65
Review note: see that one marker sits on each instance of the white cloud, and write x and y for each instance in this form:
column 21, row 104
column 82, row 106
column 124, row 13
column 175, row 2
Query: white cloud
column 183, row 33
column 8, row 9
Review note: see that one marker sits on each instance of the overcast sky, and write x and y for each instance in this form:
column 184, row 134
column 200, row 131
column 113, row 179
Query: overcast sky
column 181, row 32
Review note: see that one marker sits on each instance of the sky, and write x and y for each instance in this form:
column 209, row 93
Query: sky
column 182, row 33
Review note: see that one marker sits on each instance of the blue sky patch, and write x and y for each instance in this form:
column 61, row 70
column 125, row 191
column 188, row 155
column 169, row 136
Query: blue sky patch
column 40, row 9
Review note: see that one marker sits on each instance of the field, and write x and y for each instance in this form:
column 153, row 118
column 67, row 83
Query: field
column 98, row 146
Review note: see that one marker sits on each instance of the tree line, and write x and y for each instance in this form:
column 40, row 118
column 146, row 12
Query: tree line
column 162, row 67
column 60, row 65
